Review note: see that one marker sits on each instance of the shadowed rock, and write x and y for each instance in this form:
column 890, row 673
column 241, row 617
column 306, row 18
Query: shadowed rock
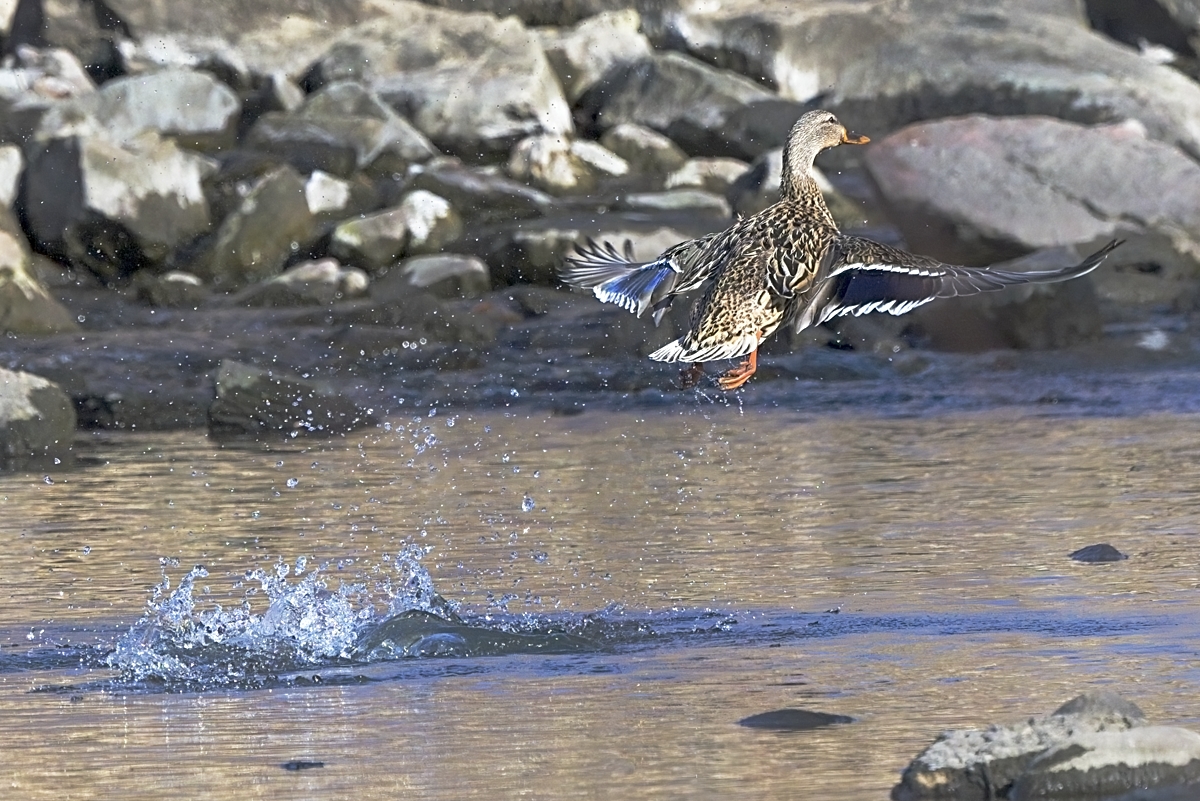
column 793, row 720
column 1098, row 553
column 37, row 419
column 581, row 55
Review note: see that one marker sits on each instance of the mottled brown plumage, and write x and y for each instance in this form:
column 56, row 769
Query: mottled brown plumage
column 788, row 263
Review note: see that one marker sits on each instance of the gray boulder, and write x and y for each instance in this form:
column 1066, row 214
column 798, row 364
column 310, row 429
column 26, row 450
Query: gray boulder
column 255, row 240
column 37, row 419
column 310, row 283
column 478, row 195
column 26, row 307
column 581, row 55
column 174, row 289
column 252, row 401
column 445, row 275
column 342, row 129
column 560, row 165
column 710, row 174
column 647, row 152
column 422, row 223
column 675, row 200
column 11, row 165
column 976, row 765
column 114, row 207
column 699, row 107
column 976, row 189
column 472, row 83
column 892, row 64
column 194, row 108
column 35, row 81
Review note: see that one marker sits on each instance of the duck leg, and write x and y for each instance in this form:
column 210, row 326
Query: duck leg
column 690, row 376
column 735, row 377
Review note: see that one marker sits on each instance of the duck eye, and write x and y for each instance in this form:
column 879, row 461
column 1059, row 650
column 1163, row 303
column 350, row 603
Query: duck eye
column 832, row 120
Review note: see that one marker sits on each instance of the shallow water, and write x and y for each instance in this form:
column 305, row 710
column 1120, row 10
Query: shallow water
column 631, row 584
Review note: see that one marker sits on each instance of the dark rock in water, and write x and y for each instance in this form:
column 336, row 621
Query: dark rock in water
column 793, row 720
column 174, row 289
column 417, row 633
column 1102, row 552
column 1094, row 746
column 254, row 401
column 301, row 764
column 37, row 419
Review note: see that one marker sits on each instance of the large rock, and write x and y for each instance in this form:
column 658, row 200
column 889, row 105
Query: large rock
column 978, row 189
column 255, row 240
column 706, row 111
column 581, row 55
column 559, row 165
column 422, row 223
column 36, row 417
column 25, row 305
column 114, row 208
column 472, row 83
column 477, row 195
column 11, row 165
column 341, row 129
column 194, row 108
column 33, row 83
column 710, row 174
column 884, row 65
column 1094, row 747
column 647, row 152
column 253, row 401
column 309, row 283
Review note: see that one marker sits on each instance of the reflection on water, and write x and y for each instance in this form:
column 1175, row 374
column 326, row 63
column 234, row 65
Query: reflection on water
column 621, row 589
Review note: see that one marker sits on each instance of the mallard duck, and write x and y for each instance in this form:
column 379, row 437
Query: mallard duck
column 787, row 264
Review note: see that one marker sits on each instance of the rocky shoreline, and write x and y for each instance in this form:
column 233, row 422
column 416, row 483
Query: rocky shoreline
column 368, row 202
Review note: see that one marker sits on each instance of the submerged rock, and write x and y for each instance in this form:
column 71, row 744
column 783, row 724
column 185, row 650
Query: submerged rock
column 1102, row 552
column 252, row 401
column 793, row 720
column 37, row 418
column 1096, row 746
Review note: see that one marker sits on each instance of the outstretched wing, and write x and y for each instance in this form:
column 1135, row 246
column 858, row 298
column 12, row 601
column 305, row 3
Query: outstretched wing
column 864, row 276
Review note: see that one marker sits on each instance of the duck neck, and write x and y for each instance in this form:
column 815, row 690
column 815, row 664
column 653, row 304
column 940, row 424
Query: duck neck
column 797, row 180
column 801, row 189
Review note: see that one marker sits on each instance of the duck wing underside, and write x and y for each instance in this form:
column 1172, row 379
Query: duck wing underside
column 615, row 277
column 865, row 276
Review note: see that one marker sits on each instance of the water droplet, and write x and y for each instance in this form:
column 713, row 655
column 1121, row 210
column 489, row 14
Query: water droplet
column 527, row 504
column 255, row 514
column 540, row 557
column 47, row 479
column 279, row 464
column 57, row 460
column 505, row 458
column 293, row 483
column 87, row 549
column 537, row 473
column 81, row 318
column 514, row 393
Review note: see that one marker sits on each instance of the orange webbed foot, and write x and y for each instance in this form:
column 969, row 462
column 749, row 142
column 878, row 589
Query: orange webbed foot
column 734, row 378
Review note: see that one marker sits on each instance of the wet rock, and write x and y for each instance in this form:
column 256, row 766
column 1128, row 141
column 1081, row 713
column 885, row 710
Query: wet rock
column 1047, row 183
column 714, row 175
column 581, row 55
column 35, row 82
column 174, row 289
column 256, row 239
column 1031, row 316
column 446, row 275
column 26, row 307
column 559, row 165
column 310, row 283
column 1103, row 552
column 37, row 419
column 11, row 164
column 114, row 208
column 792, row 720
column 969, row 765
column 678, row 96
column 533, row 254
column 676, row 200
column 646, row 151
column 342, row 128
column 1147, row 763
column 480, row 196
column 252, row 401
column 893, row 65
column 77, row 28
column 326, row 194
column 472, row 83
column 1174, row 24
column 194, row 108
column 302, row 764
column 422, row 223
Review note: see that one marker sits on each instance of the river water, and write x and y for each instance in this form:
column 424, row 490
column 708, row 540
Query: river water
column 614, row 591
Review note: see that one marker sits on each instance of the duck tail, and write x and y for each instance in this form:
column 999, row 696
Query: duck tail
column 616, row 278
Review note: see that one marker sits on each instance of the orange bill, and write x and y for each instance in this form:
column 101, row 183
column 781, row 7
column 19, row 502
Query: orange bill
column 853, row 140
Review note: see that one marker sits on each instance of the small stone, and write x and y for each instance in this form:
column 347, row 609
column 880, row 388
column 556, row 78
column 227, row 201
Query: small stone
column 325, row 193
column 422, row 223
column 309, row 283
column 175, row 289
column 710, row 174
column 793, row 720
column 446, row 275
column 1102, row 552
column 645, row 151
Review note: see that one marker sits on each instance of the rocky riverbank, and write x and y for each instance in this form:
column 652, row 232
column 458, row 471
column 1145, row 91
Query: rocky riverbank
column 368, row 200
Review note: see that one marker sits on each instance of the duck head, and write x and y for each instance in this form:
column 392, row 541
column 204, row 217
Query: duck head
column 812, row 133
